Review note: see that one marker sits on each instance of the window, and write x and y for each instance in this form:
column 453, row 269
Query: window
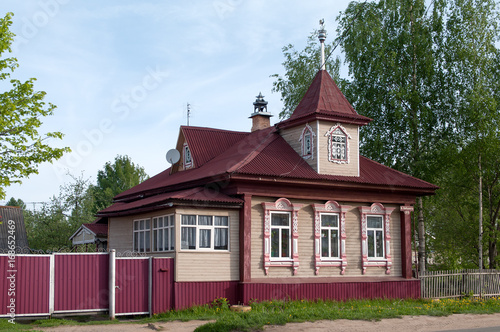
column 202, row 232
column 142, row 235
column 163, row 233
column 307, row 142
column 338, row 145
column 188, row 162
column 329, row 235
column 375, row 234
column 280, row 235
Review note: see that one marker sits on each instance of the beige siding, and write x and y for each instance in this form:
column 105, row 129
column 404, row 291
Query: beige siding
column 292, row 135
column 210, row 265
column 120, row 232
column 328, row 167
column 80, row 237
column 306, row 244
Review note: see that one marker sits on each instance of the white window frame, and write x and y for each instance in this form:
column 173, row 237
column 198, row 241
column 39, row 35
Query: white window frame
column 337, row 131
column 187, row 156
column 281, row 205
column 375, row 230
column 330, row 229
column 212, row 228
column 376, row 209
column 330, row 207
column 307, row 132
column 167, row 230
column 145, row 233
column 280, row 229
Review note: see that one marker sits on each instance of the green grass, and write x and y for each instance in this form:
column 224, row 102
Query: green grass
column 282, row 312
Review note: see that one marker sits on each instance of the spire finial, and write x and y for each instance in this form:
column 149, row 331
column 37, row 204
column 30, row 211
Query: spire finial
column 322, row 37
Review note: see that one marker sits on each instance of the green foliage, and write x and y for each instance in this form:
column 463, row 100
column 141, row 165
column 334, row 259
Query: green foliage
column 16, row 202
column 115, row 178
column 22, row 147
column 50, row 226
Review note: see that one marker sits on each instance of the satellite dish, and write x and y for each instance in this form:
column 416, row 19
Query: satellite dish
column 173, row 156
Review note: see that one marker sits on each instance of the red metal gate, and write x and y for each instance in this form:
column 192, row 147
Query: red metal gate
column 131, row 286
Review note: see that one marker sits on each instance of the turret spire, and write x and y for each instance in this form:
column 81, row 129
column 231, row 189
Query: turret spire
column 322, row 37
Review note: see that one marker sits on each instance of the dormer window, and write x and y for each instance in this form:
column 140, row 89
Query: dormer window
column 307, row 142
column 338, row 145
column 188, row 162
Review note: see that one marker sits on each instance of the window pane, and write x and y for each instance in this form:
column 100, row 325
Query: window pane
column 275, row 242
column 147, row 224
column 280, row 219
column 205, row 238
column 160, row 246
column 188, row 220
column 188, row 238
column 371, row 244
column 221, row 221
column 172, row 239
column 220, row 239
column 324, row 243
column 136, row 225
column 171, row 220
column 136, row 241
column 334, row 243
column 142, row 224
column 380, row 244
column 204, row 220
column 374, row 222
column 285, row 243
column 147, row 235
column 329, row 220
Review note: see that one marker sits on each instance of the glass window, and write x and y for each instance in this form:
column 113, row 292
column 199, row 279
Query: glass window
column 280, row 235
column 142, row 235
column 330, row 236
column 212, row 232
column 163, row 233
column 375, row 234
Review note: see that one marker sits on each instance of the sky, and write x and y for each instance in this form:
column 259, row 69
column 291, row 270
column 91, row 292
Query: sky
column 121, row 73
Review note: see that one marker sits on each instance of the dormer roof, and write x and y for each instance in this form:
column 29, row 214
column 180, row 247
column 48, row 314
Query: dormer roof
column 324, row 101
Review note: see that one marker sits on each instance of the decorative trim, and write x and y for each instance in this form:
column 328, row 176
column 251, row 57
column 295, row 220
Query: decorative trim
column 281, row 205
column 341, row 210
column 376, row 209
column 329, row 134
column 186, row 152
column 307, row 129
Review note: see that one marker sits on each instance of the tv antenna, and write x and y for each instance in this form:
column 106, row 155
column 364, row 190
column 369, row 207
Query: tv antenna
column 188, row 112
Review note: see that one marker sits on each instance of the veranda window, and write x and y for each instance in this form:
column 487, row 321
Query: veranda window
column 204, row 232
column 142, row 235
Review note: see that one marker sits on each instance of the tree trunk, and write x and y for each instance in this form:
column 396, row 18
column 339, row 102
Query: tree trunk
column 421, row 236
column 480, row 215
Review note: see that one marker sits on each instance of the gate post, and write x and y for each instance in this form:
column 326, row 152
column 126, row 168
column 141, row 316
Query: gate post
column 150, row 287
column 52, row 272
column 112, row 280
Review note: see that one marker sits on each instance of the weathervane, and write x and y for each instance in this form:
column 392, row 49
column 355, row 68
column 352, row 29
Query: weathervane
column 322, row 37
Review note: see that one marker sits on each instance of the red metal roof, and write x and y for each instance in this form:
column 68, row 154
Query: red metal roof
column 324, row 99
column 97, row 229
column 201, row 194
column 207, row 143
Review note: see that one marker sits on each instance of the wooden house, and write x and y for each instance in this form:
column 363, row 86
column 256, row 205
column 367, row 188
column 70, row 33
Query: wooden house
column 285, row 211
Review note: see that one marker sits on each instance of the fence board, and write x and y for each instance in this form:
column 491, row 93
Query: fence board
column 458, row 283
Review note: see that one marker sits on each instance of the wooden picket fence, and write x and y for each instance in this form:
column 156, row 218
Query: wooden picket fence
column 459, row 283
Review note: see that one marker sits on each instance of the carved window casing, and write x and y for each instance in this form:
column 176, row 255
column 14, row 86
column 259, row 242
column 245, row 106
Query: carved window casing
column 188, row 160
column 335, row 209
column 338, row 144
column 307, row 142
column 281, row 207
column 376, row 210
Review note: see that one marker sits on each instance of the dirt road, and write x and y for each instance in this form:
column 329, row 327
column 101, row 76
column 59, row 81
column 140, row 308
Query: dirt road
column 407, row 323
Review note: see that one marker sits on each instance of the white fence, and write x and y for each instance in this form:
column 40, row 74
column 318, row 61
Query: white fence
column 458, row 283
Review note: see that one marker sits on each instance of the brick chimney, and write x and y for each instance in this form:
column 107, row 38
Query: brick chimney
column 261, row 119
